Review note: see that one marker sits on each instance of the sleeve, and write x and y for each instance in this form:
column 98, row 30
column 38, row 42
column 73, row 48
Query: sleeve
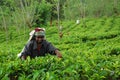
column 27, row 49
column 51, row 49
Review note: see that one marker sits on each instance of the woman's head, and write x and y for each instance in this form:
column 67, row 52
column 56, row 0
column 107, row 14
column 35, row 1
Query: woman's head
column 39, row 35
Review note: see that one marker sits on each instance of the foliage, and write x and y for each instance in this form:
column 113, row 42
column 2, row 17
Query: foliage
column 90, row 8
column 91, row 49
column 24, row 13
column 42, row 13
column 38, row 12
column 90, row 52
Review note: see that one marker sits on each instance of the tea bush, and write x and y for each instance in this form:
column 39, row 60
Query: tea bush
column 90, row 52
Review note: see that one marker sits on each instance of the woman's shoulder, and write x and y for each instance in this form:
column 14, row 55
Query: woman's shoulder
column 46, row 42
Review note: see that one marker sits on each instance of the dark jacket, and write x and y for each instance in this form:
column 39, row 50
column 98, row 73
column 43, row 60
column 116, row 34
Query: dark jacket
column 32, row 51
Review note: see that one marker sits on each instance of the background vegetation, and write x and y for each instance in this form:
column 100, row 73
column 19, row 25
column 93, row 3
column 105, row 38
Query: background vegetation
column 90, row 49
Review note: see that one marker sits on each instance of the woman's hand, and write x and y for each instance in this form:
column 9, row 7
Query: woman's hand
column 58, row 54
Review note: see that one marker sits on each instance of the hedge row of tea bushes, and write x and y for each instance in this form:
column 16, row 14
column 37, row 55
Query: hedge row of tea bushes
column 91, row 51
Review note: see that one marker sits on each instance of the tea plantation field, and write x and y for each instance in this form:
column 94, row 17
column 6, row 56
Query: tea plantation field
column 91, row 51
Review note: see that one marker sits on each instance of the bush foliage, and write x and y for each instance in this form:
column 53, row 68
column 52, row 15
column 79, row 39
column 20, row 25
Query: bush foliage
column 90, row 52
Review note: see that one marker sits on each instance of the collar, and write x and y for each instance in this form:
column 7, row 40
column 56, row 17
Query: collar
column 35, row 44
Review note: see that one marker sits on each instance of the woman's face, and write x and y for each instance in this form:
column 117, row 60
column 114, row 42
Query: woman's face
column 39, row 39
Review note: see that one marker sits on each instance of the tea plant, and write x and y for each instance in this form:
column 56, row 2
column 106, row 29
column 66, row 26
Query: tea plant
column 90, row 52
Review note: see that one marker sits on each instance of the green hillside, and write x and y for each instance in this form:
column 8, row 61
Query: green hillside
column 91, row 51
